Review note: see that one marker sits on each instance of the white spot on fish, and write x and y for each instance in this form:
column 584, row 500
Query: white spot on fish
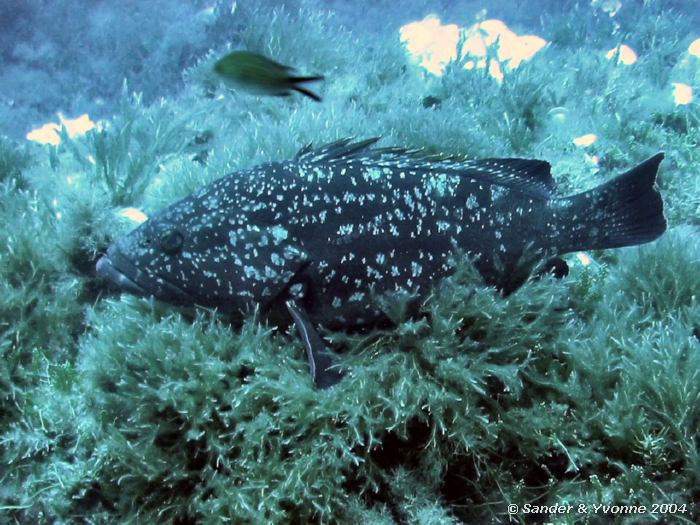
column 372, row 174
column 356, row 297
column 497, row 192
column 279, row 234
column 416, row 269
column 345, row 229
column 442, row 226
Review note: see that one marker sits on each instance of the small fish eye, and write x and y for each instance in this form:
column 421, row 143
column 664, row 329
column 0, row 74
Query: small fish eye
column 171, row 242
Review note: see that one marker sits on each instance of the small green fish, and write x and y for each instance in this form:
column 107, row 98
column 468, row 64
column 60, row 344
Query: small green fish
column 258, row 74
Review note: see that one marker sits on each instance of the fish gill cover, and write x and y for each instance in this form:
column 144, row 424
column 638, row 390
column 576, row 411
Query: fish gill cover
column 583, row 390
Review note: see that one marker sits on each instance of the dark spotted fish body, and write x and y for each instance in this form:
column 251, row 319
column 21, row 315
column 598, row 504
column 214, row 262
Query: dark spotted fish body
column 342, row 224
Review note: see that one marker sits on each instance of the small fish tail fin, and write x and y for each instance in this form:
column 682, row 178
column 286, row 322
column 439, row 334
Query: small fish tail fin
column 624, row 211
column 295, row 81
column 311, row 78
column 307, row 92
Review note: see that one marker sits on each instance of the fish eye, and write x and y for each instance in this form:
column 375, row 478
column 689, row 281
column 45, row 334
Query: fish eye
column 171, row 242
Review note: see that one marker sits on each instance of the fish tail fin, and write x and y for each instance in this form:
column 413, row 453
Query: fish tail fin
column 295, row 81
column 624, row 211
column 307, row 92
column 312, row 78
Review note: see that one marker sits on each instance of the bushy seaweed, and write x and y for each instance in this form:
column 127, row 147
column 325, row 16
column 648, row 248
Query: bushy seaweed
column 125, row 153
column 583, row 390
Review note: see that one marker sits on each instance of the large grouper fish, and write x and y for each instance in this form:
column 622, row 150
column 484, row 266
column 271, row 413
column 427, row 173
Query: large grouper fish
column 318, row 239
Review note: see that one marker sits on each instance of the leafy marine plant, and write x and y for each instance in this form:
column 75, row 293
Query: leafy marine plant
column 632, row 380
column 40, row 314
column 201, row 423
column 566, row 391
column 673, row 266
column 125, row 153
column 215, row 422
column 488, row 403
column 27, row 275
column 12, row 161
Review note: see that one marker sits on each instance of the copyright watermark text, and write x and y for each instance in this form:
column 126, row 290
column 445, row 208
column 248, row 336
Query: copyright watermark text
column 597, row 508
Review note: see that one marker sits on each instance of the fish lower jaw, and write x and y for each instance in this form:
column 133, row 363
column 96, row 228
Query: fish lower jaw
column 118, row 271
column 107, row 271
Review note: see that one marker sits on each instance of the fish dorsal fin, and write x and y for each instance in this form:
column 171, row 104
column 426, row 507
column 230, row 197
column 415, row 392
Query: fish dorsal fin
column 532, row 177
column 339, row 150
column 524, row 174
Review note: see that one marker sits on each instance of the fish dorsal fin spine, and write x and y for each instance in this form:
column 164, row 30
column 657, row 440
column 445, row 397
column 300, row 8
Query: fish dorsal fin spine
column 338, row 150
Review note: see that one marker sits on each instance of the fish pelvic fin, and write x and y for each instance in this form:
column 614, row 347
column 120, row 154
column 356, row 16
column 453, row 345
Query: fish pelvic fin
column 321, row 361
column 625, row 211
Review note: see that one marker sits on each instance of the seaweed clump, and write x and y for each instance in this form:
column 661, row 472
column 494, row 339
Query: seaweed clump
column 580, row 390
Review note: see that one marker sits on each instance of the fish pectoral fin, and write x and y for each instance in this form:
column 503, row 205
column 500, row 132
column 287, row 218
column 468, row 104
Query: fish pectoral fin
column 321, row 361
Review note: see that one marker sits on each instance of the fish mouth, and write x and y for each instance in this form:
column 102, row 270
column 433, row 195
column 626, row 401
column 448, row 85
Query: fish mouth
column 106, row 270
column 121, row 273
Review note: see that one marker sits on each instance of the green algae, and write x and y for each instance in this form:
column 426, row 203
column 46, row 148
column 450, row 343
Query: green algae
column 583, row 390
